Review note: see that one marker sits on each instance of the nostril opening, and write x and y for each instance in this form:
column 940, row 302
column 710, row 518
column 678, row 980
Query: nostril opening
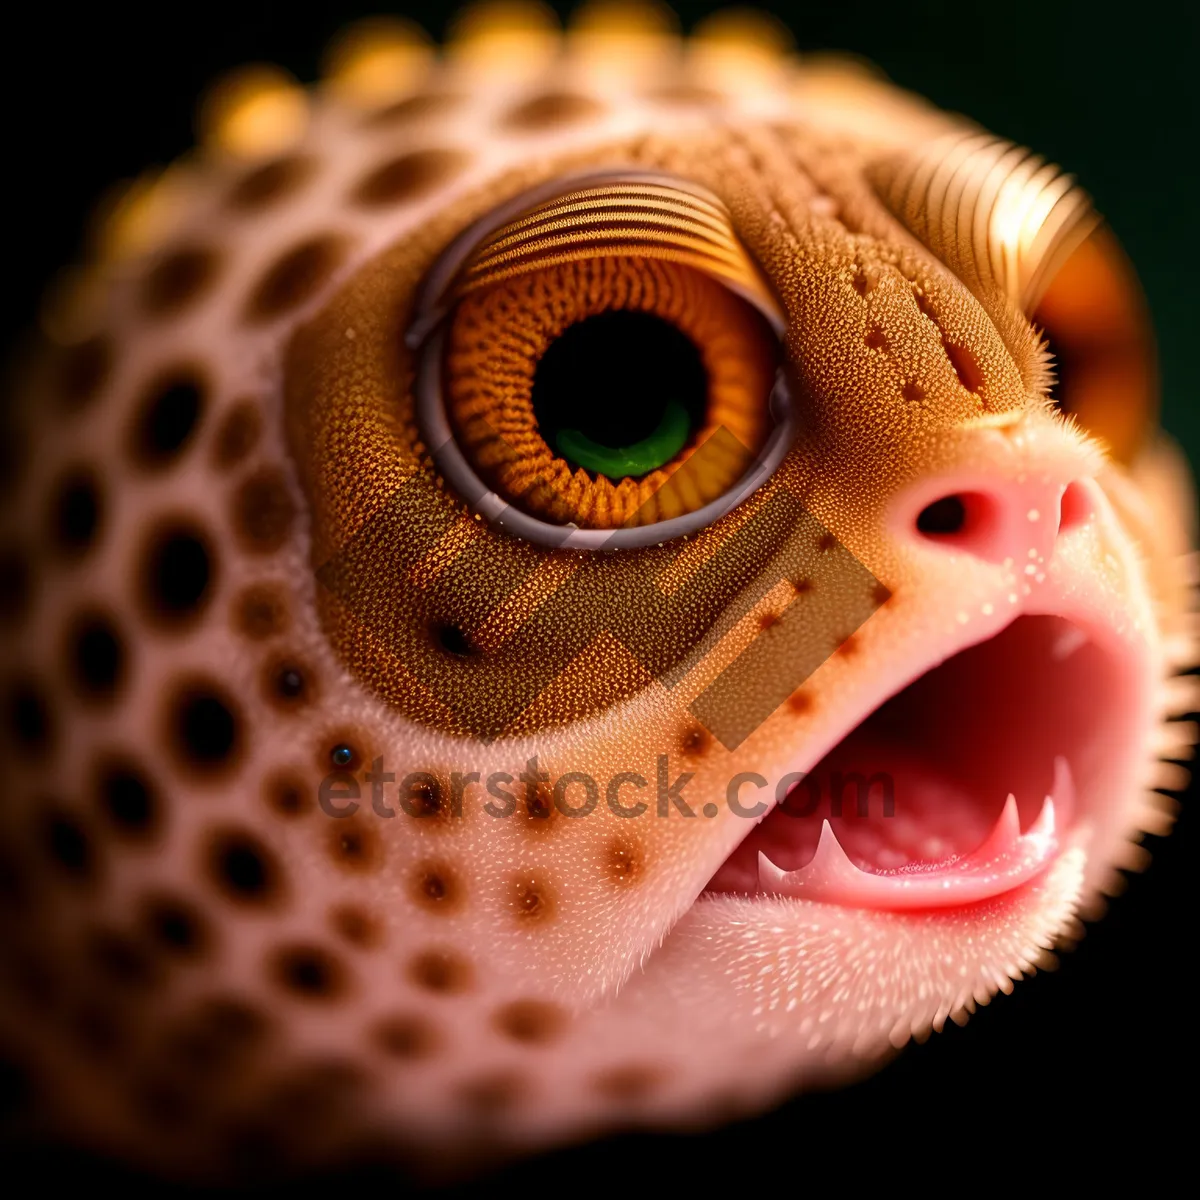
column 943, row 517
column 1075, row 507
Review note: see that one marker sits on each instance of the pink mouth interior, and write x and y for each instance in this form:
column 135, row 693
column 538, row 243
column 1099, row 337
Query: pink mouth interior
column 921, row 784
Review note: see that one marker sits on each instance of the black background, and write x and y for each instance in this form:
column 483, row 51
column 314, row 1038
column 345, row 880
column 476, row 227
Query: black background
column 1091, row 1065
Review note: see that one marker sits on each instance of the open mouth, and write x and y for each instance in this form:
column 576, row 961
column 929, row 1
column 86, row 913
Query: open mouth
column 965, row 785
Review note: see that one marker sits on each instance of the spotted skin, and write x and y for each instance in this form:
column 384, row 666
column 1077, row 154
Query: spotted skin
column 206, row 969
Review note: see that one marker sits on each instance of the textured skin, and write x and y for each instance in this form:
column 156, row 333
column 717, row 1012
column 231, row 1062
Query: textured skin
column 440, row 983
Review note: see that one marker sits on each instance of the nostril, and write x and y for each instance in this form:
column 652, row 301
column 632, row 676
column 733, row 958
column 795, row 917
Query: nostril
column 966, row 521
column 945, row 516
column 1075, row 507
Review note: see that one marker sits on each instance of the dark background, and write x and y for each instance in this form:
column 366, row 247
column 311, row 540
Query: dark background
column 1092, row 1064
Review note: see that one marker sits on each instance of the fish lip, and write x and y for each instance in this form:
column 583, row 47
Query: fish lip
column 1098, row 817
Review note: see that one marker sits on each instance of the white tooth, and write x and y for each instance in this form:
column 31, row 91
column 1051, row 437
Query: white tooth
column 769, row 875
column 1063, row 791
column 829, row 866
column 1044, row 826
column 1005, row 832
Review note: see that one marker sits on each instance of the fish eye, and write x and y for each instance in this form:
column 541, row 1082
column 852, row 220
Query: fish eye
column 600, row 364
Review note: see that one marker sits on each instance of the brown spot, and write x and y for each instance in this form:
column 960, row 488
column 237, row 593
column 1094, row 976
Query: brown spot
column 414, row 108
column 127, row 798
column 263, row 511
column 530, row 1022
column 287, row 684
column 695, row 741
column 204, row 731
column 270, row 184
column 29, row 719
column 425, row 799
column 408, row 177
column 863, row 283
column 490, row 1094
column 66, row 842
column 876, row 339
column 538, row 809
column 880, row 594
column 436, row 888
column 848, row 646
column 914, row 393
column 826, row 542
column 308, row 971
column 120, row 959
column 175, row 925
column 260, row 612
column 628, row 1083
column 532, row 898
column 16, row 585
column 231, row 1021
column 295, row 277
column 802, row 586
column 968, row 370
column 768, row 621
column 355, row 845
column 800, row 702
column 404, row 1036
column 441, row 971
column 686, row 95
column 83, row 370
column 243, row 868
column 342, row 750
column 237, row 435
column 76, row 511
column 287, row 793
column 178, row 279
column 551, row 110
column 356, row 926
column 624, row 863
column 95, row 657
column 177, row 573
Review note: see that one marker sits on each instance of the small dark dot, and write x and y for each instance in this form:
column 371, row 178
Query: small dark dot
column 532, row 899
column 243, row 868
column 287, row 684
column 120, row 959
column 166, row 418
column 205, row 732
column 68, row 844
column 966, row 367
column 270, row 184
column 491, row 1094
column 260, row 612
column 96, row 656
column 627, row 1083
column 550, row 111
column 800, row 701
column 76, row 512
column 238, row 434
column 440, row 971
column 355, row 845
column 83, row 371
column 876, row 339
column 295, row 277
column 945, row 516
column 16, row 585
column 263, row 511
column 696, row 740
column 342, row 755
column 531, row 1022
column 404, row 1036
column 175, row 925
column 356, row 926
column 177, row 573
column 914, row 393
column 802, row 586
column 407, row 177
column 624, row 864
column 127, row 798
column 29, row 717
column 826, row 542
column 309, row 972
column 287, row 794
column 436, row 888
column 178, row 279
column 453, row 640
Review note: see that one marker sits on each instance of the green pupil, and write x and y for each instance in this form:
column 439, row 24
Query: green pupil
column 658, row 447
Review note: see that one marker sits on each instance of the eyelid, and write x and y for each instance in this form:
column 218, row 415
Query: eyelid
column 648, row 214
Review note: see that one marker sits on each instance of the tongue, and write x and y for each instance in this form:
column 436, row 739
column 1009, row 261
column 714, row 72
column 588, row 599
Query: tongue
column 876, row 826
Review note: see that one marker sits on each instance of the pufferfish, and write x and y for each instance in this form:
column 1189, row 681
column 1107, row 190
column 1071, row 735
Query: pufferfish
column 552, row 586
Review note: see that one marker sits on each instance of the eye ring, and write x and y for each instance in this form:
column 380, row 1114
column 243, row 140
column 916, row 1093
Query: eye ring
column 426, row 336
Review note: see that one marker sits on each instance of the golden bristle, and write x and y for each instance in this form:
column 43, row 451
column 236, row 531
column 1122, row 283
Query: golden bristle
column 377, row 60
column 504, row 37
column 623, row 36
column 624, row 18
column 255, row 112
